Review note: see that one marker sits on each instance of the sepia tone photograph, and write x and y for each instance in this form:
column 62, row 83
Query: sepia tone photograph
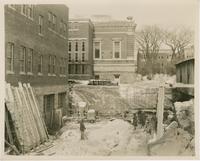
column 100, row 78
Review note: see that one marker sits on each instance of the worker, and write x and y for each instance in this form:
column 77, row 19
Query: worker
column 82, row 129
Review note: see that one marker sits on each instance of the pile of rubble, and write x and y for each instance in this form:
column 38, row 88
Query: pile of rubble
column 178, row 138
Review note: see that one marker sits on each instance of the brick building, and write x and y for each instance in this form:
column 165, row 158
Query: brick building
column 36, row 38
column 114, row 50
column 80, row 49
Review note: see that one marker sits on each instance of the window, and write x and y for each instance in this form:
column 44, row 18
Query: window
column 49, row 64
column 27, row 10
column 73, row 25
column 49, row 17
column 64, row 27
column 96, row 77
column 53, row 64
column 40, row 64
column 30, row 11
column 40, row 24
column 62, row 66
column 97, row 50
column 83, row 57
column 76, row 68
column 83, row 69
column 49, row 102
column 70, row 69
column 70, row 57
column 54, row 21
column 83, row 46
column 23, row 9
column 61, row 26
column 30, row 60
column 22, row 59
column 70, row 46
column 10, row 57
column 12, row 6
column 117, row 49
column 76, row 46
column 76, row 57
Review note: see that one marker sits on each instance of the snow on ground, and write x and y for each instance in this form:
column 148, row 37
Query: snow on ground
column 105, row 138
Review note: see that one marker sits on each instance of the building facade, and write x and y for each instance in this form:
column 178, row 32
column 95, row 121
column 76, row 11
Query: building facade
column 36, row 38
column 114, row 50
column 80, row 49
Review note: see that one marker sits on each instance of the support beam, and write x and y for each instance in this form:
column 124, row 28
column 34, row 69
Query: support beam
column 160, row 111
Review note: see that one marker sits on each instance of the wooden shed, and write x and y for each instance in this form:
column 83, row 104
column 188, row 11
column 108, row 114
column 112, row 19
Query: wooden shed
column 185, row 71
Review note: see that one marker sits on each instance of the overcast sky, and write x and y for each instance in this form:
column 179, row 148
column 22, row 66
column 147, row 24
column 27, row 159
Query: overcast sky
column 166, row 13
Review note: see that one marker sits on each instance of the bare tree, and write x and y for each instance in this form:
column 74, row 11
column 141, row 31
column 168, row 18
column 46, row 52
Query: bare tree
column 178, row 40
column 149, row 40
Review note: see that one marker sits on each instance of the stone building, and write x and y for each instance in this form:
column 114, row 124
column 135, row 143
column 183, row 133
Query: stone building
column 80, row 49
column 114, row 50
column 36, row 38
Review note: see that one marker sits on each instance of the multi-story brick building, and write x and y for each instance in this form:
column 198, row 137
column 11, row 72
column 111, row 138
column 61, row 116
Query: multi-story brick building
column 114, row 50
column 36, row 38
column 80, row 49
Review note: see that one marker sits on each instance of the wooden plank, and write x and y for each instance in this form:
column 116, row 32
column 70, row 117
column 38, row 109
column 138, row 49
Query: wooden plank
column 37, row 110
column 24, row 132
column 32, row 110
column 12, row 147
column 8, row 126
column 29, row 120
column 160, row 111
column 40, row 125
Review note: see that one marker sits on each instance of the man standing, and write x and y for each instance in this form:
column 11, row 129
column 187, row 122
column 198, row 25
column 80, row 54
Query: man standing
column 82, row 129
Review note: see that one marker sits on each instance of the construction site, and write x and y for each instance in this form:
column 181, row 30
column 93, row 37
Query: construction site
column 96, row 85
column 147, row 118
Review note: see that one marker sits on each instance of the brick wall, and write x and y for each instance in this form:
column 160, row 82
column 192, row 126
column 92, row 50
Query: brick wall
column 81, row 30
column 23, row 31
column 107, row 33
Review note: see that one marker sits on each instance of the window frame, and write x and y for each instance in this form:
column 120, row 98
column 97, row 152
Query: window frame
column 40, row 23
column 114, row 49
column 10, row 56
column 40, row 65
column 76, row 46
column 94, row 51
column 22, row 61
column 30, row 60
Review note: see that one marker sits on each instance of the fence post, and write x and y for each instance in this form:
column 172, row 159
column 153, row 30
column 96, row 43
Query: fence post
column 160, row 111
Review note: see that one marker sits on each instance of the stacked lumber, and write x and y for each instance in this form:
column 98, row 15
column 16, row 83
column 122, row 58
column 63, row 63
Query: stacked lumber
column 28, row 123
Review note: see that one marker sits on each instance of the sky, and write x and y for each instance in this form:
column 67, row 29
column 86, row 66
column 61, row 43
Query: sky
column 165, row 13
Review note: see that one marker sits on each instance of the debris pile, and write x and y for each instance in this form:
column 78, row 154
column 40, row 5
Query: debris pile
column 28, row 125
column 178, row 138
column 185, row 115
